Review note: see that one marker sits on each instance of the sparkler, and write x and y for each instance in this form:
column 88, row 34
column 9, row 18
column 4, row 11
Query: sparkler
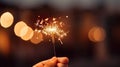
column 52, row 28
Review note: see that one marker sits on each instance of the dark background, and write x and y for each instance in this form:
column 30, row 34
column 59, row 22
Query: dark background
column 83, row 15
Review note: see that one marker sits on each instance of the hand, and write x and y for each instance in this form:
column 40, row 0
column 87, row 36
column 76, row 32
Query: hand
column 53, row 62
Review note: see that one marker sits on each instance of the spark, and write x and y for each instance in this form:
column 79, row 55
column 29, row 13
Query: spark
column 54, row 19
column 66, row 16
column 46, row 19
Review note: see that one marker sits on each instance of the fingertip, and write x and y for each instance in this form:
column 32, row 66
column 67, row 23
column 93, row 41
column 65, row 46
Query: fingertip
column 54, row 59
column 66, row 59
column 63, row 60
column 51, row 62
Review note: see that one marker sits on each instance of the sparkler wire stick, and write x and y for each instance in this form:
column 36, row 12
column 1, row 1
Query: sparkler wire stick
column 53, row 43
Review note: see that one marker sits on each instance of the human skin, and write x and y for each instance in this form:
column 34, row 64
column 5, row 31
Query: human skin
column 53, row 62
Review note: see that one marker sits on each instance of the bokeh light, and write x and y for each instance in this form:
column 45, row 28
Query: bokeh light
column 37, row 37
column 96, row 34
column 28, row 35
column 6, row 19
column 4, row 42
column 20, row 28
column 23, row 31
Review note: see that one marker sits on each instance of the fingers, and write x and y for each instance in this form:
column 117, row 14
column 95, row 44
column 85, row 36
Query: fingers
column 38, row 65
column 47, row 63
column 54, row 62
column 62, row 65
column 63, row 60
column 51, row 63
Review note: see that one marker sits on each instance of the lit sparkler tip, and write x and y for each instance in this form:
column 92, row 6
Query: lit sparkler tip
column 50, row 29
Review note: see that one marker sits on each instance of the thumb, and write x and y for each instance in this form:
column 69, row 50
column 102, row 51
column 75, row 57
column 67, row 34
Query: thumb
column 51, row 63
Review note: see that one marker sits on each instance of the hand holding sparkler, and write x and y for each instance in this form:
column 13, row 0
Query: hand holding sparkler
column 53, row 29
column 54, row 62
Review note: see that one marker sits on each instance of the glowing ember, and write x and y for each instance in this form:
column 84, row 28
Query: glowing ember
column 50, row 30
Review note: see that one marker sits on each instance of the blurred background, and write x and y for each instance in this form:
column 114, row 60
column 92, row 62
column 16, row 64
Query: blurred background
column 93, row 39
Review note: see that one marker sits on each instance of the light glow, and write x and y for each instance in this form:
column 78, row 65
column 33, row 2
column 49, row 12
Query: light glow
column 37, row 37
column 6, row 19
column 19, row 28
column 28, row 35
column 97, row 34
